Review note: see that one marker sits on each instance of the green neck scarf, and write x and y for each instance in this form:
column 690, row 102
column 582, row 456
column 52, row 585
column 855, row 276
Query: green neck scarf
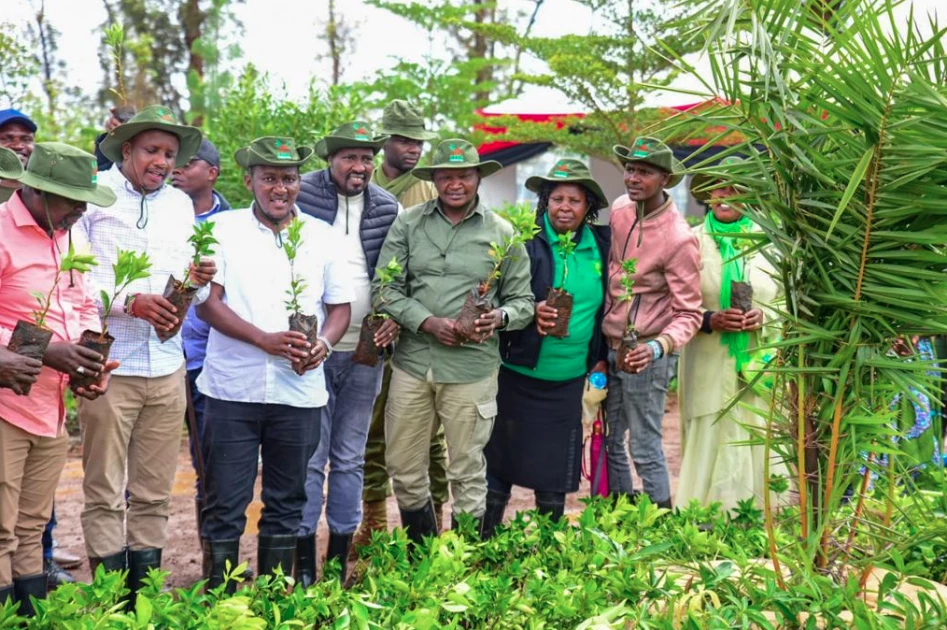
column 727, row 237
column 396, row 186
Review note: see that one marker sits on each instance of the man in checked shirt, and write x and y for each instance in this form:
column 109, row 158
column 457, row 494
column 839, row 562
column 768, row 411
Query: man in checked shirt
column 136, row 427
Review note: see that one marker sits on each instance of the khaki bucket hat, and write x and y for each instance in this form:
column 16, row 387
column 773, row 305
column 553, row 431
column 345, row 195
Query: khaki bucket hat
column 456, row 154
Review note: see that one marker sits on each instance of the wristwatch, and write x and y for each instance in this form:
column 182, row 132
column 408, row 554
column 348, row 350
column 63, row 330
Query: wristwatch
column 504, row 319
column 130, row 303
column 327, row 345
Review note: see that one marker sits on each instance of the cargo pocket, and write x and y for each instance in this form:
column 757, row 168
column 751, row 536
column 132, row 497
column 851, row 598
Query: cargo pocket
column 487, row 410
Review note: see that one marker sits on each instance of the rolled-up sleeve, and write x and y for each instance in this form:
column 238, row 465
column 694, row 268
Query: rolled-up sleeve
column 393, row 298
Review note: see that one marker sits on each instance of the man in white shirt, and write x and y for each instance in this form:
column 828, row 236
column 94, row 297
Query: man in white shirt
column 360, row 214
column 255, row 401
column 135, row 429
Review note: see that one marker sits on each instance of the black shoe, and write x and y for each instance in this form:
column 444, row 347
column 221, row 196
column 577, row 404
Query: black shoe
column 115, row 562
column 552, row 504
column 419, row 523
column 140, row 562
column 304, row 563
column 275, row 551
column 6, row 593
column 216, row 555
column 26, row 587
column 493, row 515
column 665, row 504
column 55, row 574
column 339, row 545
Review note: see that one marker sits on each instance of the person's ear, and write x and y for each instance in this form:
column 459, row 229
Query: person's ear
column 126, row 151
column 247, row 181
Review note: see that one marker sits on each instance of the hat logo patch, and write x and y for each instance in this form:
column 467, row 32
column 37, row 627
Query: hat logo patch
column 456, row 154
column 95, row 176
column 361, row 133
column 561, row 170
column 283, row 152
column 166, row 115
column 642, row 149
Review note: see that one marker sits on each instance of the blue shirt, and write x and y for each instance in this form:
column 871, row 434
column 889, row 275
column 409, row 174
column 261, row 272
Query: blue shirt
column 195, row 330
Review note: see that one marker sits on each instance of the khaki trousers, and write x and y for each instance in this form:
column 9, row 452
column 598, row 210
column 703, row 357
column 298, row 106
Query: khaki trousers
column 29, row 471
column 130, row 441
column 416, row 408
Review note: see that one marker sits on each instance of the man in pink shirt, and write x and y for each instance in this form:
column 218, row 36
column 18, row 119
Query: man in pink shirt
column 665, row 312
column 35, row 222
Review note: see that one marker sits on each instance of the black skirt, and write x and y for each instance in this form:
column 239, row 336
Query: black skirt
column 537, row 436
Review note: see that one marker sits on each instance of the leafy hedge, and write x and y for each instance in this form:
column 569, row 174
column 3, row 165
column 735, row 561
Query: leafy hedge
column 616, row 567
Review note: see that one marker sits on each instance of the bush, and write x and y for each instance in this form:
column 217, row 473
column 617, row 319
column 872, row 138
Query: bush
column 631, row 566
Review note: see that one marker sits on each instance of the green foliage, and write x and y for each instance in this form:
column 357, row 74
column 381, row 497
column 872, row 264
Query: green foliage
column 291, row 245
column 254, row 107
column 129, row 267
column 628, row 294
column 72, row 261
column 386, row 275
column 201, row 240
column 523, row 220
column 566, row 246
column 616, row 566
column 845, row 177
column 17, row 67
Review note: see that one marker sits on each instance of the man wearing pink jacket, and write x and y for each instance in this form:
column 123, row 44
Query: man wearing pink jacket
column 664, row 310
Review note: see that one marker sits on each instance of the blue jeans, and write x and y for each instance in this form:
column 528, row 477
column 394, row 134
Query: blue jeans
column 48, row 535
column 235, row 433
column 635, row 403
column 194, row 442
column 352, row 391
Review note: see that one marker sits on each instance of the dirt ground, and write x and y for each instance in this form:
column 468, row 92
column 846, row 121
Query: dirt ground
column 182, row 554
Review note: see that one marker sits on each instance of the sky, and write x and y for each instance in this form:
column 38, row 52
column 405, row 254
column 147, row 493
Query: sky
column 380, row 35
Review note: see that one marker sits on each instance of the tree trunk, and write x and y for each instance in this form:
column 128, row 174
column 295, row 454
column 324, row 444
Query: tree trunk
column 335, row 48
column 192, row 18
column 47, row 63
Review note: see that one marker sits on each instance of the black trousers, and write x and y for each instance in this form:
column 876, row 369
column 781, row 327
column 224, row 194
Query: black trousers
column 235, row 434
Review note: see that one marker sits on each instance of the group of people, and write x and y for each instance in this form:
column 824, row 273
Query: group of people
column 444, row 413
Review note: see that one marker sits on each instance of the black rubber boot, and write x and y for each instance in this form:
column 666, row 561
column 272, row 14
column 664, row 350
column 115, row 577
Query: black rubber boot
column 140, row 561
column 26, row 587
column 339, row 545
column 665, row 504
column 419, row 523
column 6, row 593
column 493, row 515
column 216, row 555
column 115, row 562
column 304, row 563
column 552, row 504
column 275, row 551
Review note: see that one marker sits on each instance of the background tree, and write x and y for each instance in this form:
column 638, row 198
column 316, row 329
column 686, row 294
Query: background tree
column 339, row 37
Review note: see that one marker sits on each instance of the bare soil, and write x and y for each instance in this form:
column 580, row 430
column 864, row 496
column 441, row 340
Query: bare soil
column 182, row 555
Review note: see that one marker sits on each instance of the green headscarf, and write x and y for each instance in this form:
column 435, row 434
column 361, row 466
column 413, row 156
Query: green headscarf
column 727, row 235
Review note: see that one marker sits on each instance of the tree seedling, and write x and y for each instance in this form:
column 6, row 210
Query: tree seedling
column 291, row 246
column 557, row 297
column 366, row 352
column 72, row 261
column 129, row 267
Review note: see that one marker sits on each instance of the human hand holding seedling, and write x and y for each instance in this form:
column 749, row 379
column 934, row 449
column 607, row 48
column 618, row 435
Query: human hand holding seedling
column 99, row 388
column 201, row 269
column 17, row 372
column 288, row 344
column 389, row 329
column 545, row 317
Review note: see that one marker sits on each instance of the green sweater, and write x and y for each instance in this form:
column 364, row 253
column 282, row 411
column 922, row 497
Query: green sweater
column 443, row 263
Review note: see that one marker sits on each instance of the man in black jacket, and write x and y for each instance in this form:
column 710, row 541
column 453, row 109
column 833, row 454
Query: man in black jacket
column 360, row 214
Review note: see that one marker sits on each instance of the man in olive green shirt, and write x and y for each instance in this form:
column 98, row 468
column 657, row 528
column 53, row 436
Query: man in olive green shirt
column 444, row 248
column 407, row 135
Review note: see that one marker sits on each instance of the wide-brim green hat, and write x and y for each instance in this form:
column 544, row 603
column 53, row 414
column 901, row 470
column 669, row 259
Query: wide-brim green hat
column 352, row 135
column 654, row 152
column 401, row 119
column 10, row 165
column 272, row 151
column 66, row 171
column 455, row 153
column 154, row 117
column 703, row 183
column 569, row 171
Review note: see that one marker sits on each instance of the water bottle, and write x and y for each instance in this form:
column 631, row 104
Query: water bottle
column 598, row 380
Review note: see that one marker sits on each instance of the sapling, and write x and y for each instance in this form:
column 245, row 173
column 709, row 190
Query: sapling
column 557, row 297
column 31, row 339
column 129, row 267
column 366, row 353
column 181, row 293
column 523, row 221
column 630, row 339
column 298, row 321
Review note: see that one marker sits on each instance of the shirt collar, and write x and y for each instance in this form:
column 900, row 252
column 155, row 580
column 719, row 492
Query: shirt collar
column 214, row 209
column 22, row 217
column 263, row 227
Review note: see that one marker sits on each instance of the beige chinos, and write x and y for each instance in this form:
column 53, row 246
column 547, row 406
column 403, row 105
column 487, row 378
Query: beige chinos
column 30, row 466
column 130, row 440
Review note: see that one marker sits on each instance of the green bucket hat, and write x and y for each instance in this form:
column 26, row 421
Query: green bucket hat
column 10, row 165
column 400, row 119
column 153, row 117
column 569, row 171
column 272, row 151
column 455, row 154
column 702, row 183
column 654, row 152
column 351, row 135
column 66, row 171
